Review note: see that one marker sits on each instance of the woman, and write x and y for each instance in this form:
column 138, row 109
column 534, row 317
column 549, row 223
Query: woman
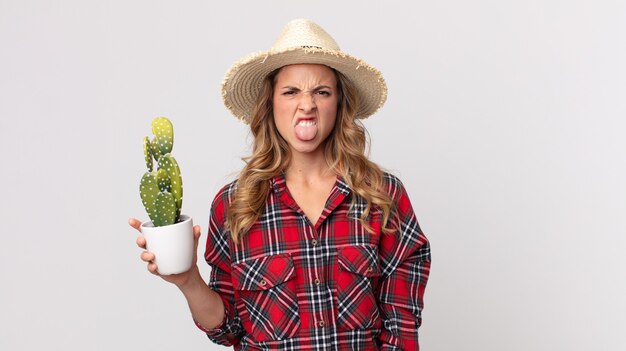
column 313, row 246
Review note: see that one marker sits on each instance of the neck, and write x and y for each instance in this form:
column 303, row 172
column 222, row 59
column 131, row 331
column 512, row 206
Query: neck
column 308, row 166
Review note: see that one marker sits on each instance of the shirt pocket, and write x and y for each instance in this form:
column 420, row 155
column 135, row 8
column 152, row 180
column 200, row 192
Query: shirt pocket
column 357, row 278
column 267, row 289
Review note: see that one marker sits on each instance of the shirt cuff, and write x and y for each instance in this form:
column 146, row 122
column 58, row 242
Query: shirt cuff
column 217, row 331
column 220, row 330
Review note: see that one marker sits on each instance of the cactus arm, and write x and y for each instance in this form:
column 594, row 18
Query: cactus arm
column 149, row 191
column 166, row 209
column 147, row 153
column 164, row 134
column 154, row 148
column 169, row 164
column 163, row 179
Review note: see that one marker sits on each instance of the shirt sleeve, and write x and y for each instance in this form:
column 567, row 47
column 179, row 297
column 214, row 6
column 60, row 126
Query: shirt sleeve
column 217, row 255
column 405, row 265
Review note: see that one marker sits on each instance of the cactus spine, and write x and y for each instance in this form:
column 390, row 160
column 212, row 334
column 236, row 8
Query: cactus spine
column 162, row 189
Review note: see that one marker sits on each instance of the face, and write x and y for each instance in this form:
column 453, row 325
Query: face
column 305, row 106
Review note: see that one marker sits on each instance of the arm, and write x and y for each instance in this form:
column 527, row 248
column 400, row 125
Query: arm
column 405, row 263
column 206, row 306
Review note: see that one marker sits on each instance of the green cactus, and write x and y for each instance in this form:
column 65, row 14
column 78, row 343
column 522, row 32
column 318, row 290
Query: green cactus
column 147, row 152
column 164, row 134
column 166, row 209
column 169, row 164
column 161, row 190
column 149, row 191
column 154, row 149
column 163, row 179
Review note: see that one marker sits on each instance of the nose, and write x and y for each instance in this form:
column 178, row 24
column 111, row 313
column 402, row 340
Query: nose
column 307, row 102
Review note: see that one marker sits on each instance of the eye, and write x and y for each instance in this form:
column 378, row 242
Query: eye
column 289, row 92
column 324, row 92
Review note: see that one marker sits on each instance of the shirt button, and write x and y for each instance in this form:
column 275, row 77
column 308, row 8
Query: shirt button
column 370, row 268
column 263, row 282
column 314, row 242
column 317, row 282
column 321, row 323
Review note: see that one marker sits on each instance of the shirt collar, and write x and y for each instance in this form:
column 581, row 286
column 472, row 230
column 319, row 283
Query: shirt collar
column 279, row 184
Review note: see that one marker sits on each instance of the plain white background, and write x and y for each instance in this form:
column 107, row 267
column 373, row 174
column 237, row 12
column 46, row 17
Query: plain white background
column 505, row 121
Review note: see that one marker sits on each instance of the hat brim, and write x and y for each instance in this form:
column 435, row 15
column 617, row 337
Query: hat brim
column 243, row 81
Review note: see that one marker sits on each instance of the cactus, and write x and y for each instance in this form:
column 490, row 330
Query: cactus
column 162, row 189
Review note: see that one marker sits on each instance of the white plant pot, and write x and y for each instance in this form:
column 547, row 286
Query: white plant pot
column 172, row 245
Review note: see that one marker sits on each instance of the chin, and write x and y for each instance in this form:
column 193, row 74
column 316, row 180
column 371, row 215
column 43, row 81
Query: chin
column 304, row 150
column 305, row 147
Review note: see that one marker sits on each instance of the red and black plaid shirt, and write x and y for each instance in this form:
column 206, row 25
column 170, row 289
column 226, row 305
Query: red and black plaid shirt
column 292, row 285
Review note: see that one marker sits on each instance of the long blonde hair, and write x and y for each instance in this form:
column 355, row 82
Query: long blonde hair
column 345, row 153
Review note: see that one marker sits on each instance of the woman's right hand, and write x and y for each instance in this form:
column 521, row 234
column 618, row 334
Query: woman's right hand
column 205, row 304
column 180, row 280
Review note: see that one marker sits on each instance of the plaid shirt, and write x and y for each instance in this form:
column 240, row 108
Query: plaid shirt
column 292, row 285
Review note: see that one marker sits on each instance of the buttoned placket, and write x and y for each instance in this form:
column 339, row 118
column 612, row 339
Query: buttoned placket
column 321, row 311
column 317, row 272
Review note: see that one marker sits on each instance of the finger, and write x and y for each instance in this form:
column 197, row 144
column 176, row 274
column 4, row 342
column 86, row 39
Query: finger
column 141, row 242
column 196, row 237
column 147, row 256
column 152, row 268
column 135, row 223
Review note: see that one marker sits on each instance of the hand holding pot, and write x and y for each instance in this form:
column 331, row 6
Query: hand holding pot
column 149, row 257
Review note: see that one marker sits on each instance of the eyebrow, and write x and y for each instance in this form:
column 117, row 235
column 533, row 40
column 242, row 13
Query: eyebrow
column 314, row 89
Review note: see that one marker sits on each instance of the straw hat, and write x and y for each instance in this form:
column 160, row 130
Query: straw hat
column 301, row 41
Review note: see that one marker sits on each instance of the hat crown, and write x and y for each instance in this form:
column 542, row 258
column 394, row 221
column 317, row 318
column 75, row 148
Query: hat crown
column 304, row 33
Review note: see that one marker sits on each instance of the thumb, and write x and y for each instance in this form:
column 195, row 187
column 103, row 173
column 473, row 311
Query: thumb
column 196, row 236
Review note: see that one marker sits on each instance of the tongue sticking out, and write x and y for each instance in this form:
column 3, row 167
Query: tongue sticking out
column 306, row 131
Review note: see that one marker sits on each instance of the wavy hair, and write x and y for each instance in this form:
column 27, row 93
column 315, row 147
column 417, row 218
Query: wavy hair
column 345, row 153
